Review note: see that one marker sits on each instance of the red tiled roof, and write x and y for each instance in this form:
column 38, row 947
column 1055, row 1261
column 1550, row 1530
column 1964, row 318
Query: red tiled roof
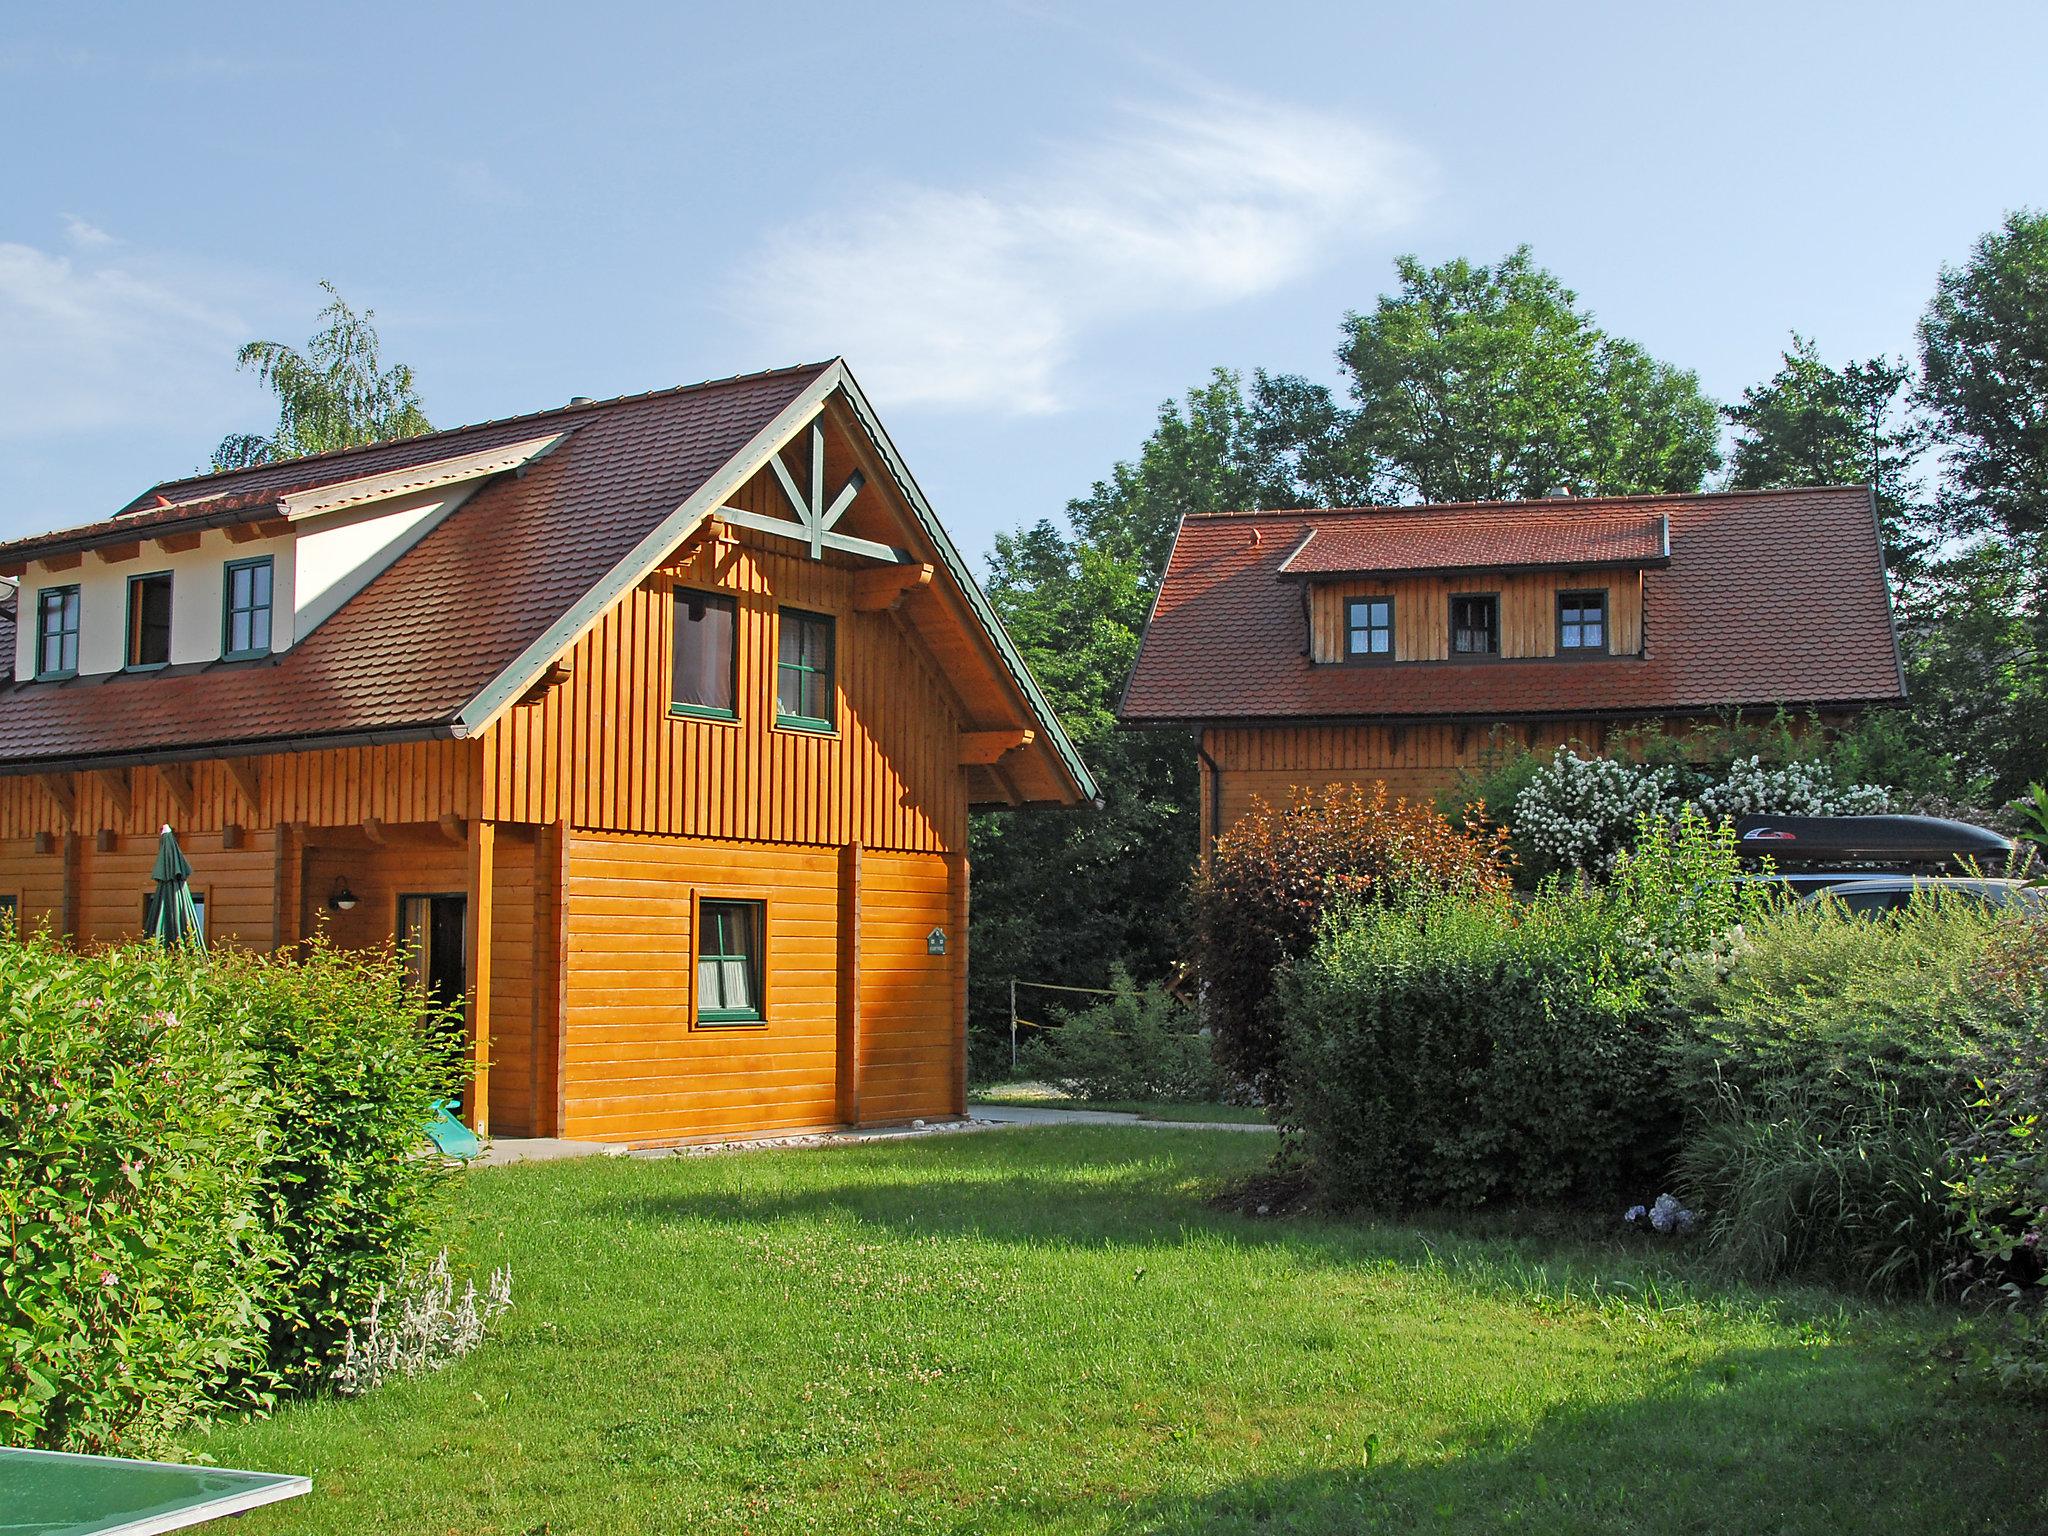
column 1516, row 538
column 1770, row 597
column 416, row 645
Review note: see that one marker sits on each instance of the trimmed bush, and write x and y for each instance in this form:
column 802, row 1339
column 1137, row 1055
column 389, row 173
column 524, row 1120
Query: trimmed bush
column 1140, row 1043
column 1461, row 1051
column 1273, row 877
column 206, row 1166
column 131, row 1144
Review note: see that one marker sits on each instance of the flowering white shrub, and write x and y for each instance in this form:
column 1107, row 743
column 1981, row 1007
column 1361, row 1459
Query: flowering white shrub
column 1795, row 789
column 1580, row 812
column 419, row 1325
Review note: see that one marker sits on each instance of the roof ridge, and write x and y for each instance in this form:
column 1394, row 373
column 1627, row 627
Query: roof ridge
column 331, row 454
column 1520, row 503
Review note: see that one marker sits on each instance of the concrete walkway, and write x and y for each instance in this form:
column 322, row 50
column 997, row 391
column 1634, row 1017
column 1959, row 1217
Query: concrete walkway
column 980, row 1117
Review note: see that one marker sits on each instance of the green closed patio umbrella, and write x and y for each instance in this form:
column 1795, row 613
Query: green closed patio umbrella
column 173, row 918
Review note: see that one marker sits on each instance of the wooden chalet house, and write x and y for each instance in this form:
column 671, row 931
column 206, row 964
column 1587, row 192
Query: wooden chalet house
column 649, row 726
column 1387, row 643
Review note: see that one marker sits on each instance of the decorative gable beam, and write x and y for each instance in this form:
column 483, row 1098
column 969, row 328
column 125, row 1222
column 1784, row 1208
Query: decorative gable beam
column 816, row 518
column 115, row 554
column 878, row 591
column 981, row 749
column 177, row 779
column 248, row 779
column 114, row 784
column 180, row 543
column 60, row 790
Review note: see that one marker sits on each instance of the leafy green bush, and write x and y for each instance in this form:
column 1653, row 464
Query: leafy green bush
column 1139, row 1043
column 350, row 1065
column 1464, row 1050
column 207, row 1166
column 1825, row 1062
column 1273, row 876
column 138, row 1273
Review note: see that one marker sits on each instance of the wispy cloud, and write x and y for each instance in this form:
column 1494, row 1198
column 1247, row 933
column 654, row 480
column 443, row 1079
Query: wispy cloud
column 100, row 337
column 981, row 297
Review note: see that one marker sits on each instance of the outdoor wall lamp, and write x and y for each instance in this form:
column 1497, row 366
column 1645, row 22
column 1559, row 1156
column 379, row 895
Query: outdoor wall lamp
column 341, row 898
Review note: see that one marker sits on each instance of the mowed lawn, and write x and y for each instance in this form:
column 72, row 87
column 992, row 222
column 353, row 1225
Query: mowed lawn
column 1033, row 1330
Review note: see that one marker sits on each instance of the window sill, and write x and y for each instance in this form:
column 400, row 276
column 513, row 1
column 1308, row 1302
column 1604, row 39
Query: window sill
column 733, row 1020
column 56, row 677
column 245, row 655
column 703, row 712
column 806, row 724
column 145, row 666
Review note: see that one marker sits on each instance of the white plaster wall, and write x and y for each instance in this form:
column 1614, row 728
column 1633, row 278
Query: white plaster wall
column 198, row 594
column 339, row 552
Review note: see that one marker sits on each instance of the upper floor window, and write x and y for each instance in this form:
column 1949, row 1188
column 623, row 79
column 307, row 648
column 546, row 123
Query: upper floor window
column 1371, row 624
column 704, row 671
column 803, row 671
column 1582, row 621
column 57, row 632
column 1475, row 624
column 149, row 621
column 246, row 632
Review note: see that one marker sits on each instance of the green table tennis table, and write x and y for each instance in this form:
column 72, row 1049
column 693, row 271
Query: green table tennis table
column 54, row 1493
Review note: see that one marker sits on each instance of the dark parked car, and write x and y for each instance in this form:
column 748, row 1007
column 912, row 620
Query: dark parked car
column 1878, row 863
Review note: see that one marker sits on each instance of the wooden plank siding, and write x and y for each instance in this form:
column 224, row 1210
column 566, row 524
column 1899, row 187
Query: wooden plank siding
column 601, row 751
column 1528, row 611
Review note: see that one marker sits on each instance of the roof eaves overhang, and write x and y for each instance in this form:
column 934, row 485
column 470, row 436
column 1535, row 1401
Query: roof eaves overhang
column 257, row 746
column 1522, row 568
column 1140, row 722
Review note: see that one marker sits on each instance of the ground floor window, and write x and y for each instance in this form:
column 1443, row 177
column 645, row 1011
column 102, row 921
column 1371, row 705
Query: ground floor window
column 729, row 970
column 149, row 911
column 10, row 912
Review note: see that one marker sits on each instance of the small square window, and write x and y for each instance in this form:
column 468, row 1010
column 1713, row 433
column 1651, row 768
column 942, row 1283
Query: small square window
column 1370, row 621
column 1475, row 624
column 729, row 947
column 1582, row 621
column 803, row 672
column 149, row 912
column 149, row 621
column 705, row 672
column 246, row 633
column 57, row 632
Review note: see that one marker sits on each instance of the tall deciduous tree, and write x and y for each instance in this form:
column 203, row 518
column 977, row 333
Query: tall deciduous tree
column 335, row 394
column 1813, row 424
column 1477, row 383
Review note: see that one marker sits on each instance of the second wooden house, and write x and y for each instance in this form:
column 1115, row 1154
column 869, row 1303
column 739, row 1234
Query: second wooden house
column 648, row 729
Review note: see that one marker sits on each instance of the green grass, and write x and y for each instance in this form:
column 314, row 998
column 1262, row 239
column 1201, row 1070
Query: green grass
column 1041, row 1096
column 1050, row 1330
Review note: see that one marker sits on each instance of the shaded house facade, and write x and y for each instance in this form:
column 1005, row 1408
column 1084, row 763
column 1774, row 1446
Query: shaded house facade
column 1391, row 643
column 647, row 729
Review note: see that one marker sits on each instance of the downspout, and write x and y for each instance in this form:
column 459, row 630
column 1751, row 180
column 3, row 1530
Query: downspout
column 1215, row 771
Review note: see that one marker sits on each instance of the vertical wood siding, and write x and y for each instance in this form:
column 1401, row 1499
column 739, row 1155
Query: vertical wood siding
column 601, row 751
column 1528, row 611
column 907, row 994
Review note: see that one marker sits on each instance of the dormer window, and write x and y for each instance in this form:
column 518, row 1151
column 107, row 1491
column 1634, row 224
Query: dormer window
column 1475, row 624
column 149, row 622
column 1370, row 622
column 57, row 632
column 1582, row 622
column 246, row 633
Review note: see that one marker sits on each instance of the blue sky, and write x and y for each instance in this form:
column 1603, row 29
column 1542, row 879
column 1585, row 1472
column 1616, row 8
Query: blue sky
column 1023, row 224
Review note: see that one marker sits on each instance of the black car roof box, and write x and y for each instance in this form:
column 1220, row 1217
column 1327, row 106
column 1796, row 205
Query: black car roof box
column 1867, row 839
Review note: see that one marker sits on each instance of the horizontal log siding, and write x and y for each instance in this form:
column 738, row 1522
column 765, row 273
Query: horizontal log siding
column 1415, row 761
column 633, row 1067
column 601, row 751
column 1528, row 611
column 35, row 881
column 415, row 781
column 908, row 1057
column 238, row 885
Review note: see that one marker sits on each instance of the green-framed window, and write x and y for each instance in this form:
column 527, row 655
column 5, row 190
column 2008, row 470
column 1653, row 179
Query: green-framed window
column 730, row 935
column 803, row 671
column 245, row 609
column 1369, row 622
column 10, row 913
column 148, row 642
column 57, row 632
column 1582, row 621
column 705, row 669
column 149, row 911
column 1475, row 624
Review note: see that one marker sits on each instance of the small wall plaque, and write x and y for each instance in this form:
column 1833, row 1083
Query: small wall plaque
column 935, row 942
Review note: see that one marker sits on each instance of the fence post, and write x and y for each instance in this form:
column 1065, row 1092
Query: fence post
column 1013, row 1024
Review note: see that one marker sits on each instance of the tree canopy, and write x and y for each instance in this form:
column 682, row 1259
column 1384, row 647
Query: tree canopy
column 335, row 394
column 1478, row 383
